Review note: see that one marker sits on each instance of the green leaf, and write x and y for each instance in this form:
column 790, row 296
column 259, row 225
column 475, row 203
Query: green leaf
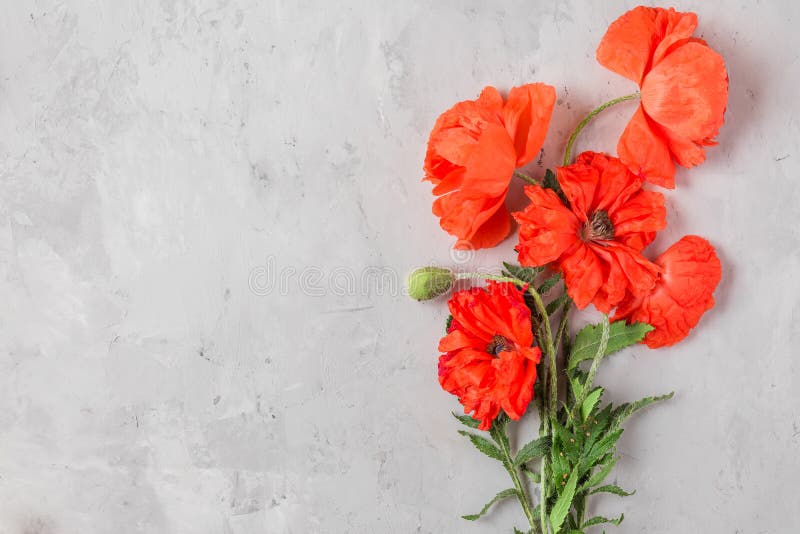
column 564, row 502
column 611, row 488
column 498, row 432
column 484, row 445
column 518, row 531
column 533, row 449
column 535, row 477
column 599, row 475
column 548, row 284
column 590, row 402
column 599, row 520
column 557, row 303
column 550, row 181
column 447, row 325
column 510, row 492
column 620, row 335
column 569, row 441
column 526, row 274
column 600, row 448
column 467, row 420
column 623, row 411
column 576, row 381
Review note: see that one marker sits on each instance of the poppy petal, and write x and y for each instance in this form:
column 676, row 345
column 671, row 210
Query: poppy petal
column 526, row 116
column 490, row 233
column 687, row 92
column 637, row 221
column 490, row 165
column 547, row 228
column 676, row 29
column 645, row 152
column 691, row 273
column 629, row 42
column 641, row 37
column 583, row 275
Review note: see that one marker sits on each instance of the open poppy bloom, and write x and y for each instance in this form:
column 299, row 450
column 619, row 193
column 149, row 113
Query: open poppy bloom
column 683, row 293
column 473, row 150
column 596, row 240
column 684, row 90
column 488, row 360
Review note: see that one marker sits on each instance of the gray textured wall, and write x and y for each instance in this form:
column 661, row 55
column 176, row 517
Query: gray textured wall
column 162, row 162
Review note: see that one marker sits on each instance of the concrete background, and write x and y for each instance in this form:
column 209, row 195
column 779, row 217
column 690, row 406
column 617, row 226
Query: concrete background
column 208, row 208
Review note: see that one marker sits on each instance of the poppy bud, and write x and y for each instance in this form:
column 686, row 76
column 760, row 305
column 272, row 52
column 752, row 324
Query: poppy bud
column 428, row 282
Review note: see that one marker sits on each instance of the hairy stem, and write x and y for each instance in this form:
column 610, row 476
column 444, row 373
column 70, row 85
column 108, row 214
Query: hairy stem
column 592, row 114
column 522, row 495
column 526, row 177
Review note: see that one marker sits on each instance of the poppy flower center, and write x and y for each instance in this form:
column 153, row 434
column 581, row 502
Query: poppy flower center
column 498, row 345
column 598, row 227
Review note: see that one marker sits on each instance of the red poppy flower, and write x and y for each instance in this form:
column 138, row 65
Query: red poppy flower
column 488, row 360
column 473, row 150
column 683, row 293
column 596, row 240
column 684, row 88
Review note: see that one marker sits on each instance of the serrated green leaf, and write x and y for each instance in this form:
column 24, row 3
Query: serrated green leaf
column 533, row 449
column 484, row 445
column 570, row 442
column 599, row 475
column 620, row 335
column 564, row 502
column 602, row 446
column 612, row 488
column 526, row 274
column 550, row 181
column 448, row 323
column 498, row 432
column 590, row 402
column 599, row 520
column 510, row 492
column 548, row 284
column 623, row 411
column 533, row 475
column 576, row 381
column 597, row 425
column 467, row 420
column 557, row 303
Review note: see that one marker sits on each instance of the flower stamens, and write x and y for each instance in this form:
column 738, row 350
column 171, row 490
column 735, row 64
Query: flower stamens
column 598, row 227
column 498, row 345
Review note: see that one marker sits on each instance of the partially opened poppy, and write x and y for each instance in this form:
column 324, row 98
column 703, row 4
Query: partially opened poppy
column 473, row 150
column 489, row 362
column 683, row 293
column 684, row 90
column 595, row 240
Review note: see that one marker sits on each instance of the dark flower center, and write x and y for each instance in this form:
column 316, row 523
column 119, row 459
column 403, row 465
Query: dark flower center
column 498, row 345
column 598, row 227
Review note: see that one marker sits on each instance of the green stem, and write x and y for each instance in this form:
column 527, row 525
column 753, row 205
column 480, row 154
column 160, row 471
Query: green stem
column 522, row 495
column 562, row 326
column 530, row 179
column 587, row 386
column 592, row 114
column 543, row 494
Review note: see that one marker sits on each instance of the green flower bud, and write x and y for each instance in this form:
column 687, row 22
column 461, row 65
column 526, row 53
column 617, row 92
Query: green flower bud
column 429, row 282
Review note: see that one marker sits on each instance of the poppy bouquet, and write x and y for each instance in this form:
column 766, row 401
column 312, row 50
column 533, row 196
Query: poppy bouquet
column 582, row 240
